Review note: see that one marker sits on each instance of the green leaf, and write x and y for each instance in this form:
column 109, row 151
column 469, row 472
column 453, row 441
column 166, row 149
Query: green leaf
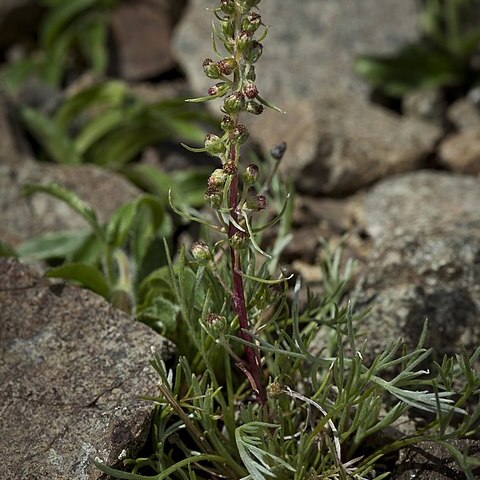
column 86, row 275
column 53, row 244
column 92, row 40
column 53, row 138
column 71, row 199
column 159, row 313
column 111, row 93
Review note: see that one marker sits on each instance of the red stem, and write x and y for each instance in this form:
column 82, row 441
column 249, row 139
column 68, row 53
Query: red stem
column 252, row 356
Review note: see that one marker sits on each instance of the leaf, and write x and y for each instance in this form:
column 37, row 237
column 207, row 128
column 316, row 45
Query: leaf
column 160, row 314
column 93, row 40
column 86, row 275
column 71, row 199
column 53, row 138
column 53, row 244
column 111, row 93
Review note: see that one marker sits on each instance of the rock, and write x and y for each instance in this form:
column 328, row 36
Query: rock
column 425, row 104
column 431, row 461
column 464, row 114
column 72, row 370
column 460, row 152
column 24, row 217
column 141, row 31
column 424, row 263
column 338, row 141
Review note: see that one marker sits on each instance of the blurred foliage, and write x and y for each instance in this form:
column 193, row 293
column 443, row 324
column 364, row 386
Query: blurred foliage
column 107, row 125
column 71, row 31
column 446, row 55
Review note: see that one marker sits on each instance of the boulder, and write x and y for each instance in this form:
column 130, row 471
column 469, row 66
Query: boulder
column 338, row 141
column 432, row 461
column 424, row 263
column 72, row 372
column 460, row 152
column 142, row 31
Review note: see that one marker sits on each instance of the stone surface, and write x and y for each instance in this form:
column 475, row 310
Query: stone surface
column 23, row 217
column 460, row 152
column 142, row 32
column 72, row 370
column 338, row 141
column 464, row 114
column 425, row 262
column 431, row 461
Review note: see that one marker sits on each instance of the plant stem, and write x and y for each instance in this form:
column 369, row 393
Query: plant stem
column 252, row 356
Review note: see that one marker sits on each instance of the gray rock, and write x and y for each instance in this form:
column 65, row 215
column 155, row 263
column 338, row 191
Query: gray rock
column 431, row 461
column 425, row 262
column 464, row 114
column 72, row 370
column 338, row 141
column 22, row 217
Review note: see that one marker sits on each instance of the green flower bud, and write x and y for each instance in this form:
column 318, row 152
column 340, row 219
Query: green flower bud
column 201, row 253
column 230, row 168
column 256, row 203
column 215, row 325
column 254, row 107
column 218, row 90
column 217, row 179
column 254, row 52
column 250, row 90
column 246, row 5
column 250, row 174
column 227, row 65
column 214, row 197
column 274, row 390
column 251, row 22
column 227, row 6
column 239, row 240
column 214, row 145
column 244, row 42
column 234, row 103
column 240, row 134
column 211, row 69
column 227, row 27
column 227, row 124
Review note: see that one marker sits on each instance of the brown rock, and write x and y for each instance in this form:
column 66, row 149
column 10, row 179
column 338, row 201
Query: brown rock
column 142, row 30
column 460, row 152
column 72, row 370
column 464, row 114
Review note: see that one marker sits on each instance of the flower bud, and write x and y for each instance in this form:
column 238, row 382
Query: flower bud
column 230, row 168
column 274, row 390
column 250, row 174
column 227, row 27
column 239, row 240
column 254, row 52
column 254, row 107
column 278, row 151
column 251, row 22
column 234, row 103
column 201, row 253
column 246, row 5
column 240, row 134
column 214, row 197
column 227, row 65
column 250, row 90
column 218, row 90
column 227, row 6
column 244, row 42
column 256, row 203
column 217, row 179
column 213, row 144
column 215, row 325
column 227, row 124
column 211, row 69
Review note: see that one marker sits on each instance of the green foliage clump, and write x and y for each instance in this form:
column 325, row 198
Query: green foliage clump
column 445, row 56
